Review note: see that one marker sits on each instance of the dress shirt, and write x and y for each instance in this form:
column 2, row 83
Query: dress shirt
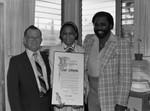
column 41, row 62
column 94, row 59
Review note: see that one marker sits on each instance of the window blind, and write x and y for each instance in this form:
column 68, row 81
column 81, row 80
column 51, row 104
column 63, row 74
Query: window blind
column 128, row 19
column 89, row 8
column 48, row 19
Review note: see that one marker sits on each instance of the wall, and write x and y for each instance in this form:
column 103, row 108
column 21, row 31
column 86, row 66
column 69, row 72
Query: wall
column 18, row 14
column 2, row 57
column 71, row 11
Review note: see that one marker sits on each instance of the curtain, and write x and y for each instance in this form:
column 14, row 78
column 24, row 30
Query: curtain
column 142, row 26
column 19, row 15
column 73, row 15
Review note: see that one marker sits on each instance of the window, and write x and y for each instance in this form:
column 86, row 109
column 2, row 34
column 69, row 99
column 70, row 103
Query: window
column 89, row 8
column 48, row 17
column 128, row 20
column 48, row 20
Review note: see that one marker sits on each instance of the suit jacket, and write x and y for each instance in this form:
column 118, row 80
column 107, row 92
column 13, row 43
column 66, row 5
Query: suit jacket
column 23, row 93
column 114, row 71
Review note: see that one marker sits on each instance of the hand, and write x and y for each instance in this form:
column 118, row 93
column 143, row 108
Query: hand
column 60, row 105
column 76, row 107
column 120, row 108
column 58, row 98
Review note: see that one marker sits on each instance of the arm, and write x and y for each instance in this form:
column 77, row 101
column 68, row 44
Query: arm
column 125, row 73
column 86, row 83
column 51, row 59
column 13, row 85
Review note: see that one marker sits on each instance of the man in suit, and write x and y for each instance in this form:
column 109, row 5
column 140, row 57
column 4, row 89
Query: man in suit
column 25, row 89
column 107, row 66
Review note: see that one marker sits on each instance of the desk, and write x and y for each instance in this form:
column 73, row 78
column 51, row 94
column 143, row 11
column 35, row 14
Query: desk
column 139, row 101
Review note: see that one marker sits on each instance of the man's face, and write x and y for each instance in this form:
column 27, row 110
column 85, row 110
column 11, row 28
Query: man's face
column 33, row 40
column 101, row 27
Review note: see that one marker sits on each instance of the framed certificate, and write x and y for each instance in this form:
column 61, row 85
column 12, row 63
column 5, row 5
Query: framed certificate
column 68, row 78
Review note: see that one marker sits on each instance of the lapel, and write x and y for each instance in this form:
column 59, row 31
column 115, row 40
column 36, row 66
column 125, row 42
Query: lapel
column 109, row 50
column 88, row 46
column 28, row 68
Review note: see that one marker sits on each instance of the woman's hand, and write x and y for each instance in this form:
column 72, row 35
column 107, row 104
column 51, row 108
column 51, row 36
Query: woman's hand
column 58, row 98
column 76, row 107
column 60, row 105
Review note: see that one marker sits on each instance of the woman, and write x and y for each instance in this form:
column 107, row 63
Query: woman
column 68, row 37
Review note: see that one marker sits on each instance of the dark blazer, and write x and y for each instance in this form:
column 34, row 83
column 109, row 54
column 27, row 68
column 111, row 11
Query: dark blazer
column 23, row 93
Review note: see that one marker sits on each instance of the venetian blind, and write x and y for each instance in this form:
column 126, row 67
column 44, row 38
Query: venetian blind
column 90, row 7
column 128, row 20
column 48, row 19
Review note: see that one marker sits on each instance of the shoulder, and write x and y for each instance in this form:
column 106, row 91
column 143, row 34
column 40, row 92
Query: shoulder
column 52, row 49
column 89, row 36
column 123, row 41
column 18, row 57
column 44, row 54
column 55, row 47
column 89, row 40
column 119, row 40
column 81, row 49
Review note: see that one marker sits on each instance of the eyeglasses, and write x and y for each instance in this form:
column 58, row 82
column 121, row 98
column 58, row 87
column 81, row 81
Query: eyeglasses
column 65, row 34
column 33, row 38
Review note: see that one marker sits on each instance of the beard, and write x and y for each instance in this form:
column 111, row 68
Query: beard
column 102, row 33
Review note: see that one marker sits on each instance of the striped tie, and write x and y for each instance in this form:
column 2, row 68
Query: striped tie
column 40, row 74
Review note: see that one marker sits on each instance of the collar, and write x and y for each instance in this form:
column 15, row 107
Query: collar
column 67, row 47
column 30, row 53
column 112, row 37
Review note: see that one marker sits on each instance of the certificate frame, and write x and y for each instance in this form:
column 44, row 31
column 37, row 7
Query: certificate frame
column 68, row 78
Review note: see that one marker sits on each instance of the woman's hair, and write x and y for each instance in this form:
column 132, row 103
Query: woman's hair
column 73, row 25
column 104, row 14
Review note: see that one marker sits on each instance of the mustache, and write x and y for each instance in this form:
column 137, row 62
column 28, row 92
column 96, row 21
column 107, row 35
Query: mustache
column 100, row 30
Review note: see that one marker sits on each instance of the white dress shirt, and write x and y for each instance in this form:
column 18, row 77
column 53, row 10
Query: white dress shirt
column 41, row 62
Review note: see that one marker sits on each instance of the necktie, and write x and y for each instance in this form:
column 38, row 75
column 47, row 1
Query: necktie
column 70, row 49
column 40, row 74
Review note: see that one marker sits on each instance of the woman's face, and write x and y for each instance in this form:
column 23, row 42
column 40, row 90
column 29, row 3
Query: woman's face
column 68, row 35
